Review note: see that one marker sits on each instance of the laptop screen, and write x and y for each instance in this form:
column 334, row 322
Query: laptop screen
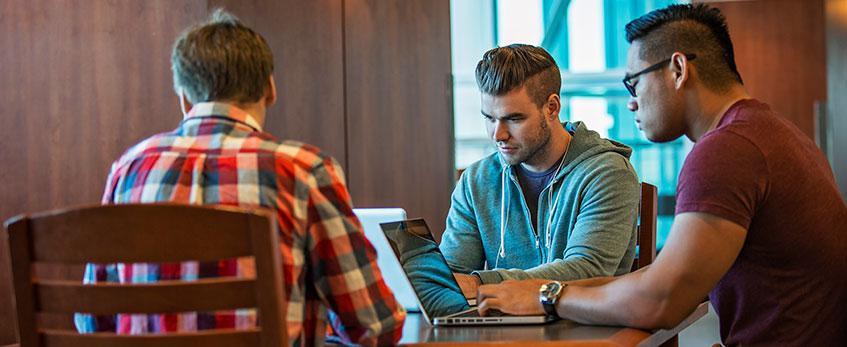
column 425, row 267
column 388, row 264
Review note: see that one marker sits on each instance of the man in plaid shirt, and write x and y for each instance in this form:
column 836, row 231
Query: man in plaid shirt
column 220, row 155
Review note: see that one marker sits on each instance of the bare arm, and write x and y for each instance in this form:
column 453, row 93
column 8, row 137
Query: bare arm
column 700, row 250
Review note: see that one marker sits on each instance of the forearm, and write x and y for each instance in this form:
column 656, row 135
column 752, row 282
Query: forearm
column 615, row 303
column 634, row 300
column 392, row 329
column 592, row 282
column 462, row 249
column 598, row 281
column 571, row 269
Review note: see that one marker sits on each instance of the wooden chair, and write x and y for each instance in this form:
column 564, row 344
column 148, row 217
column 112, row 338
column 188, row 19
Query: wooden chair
column 147, row 233
column 646, row 232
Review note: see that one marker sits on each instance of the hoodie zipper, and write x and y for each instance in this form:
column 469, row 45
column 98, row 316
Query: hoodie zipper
column 538, row 248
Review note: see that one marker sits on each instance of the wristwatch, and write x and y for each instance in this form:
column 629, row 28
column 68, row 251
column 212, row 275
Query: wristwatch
column 549, row 296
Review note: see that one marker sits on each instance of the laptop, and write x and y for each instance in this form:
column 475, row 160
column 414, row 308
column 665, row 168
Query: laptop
column 392, row 272
column 438, row 294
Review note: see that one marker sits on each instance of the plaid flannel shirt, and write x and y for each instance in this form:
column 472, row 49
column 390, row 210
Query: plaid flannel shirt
column 219, row 155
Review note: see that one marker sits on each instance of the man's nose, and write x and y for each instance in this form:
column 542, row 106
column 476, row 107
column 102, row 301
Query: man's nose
column 632, row 105
column 500, row 132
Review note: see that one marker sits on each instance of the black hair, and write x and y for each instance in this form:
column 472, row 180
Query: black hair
column 690, row 29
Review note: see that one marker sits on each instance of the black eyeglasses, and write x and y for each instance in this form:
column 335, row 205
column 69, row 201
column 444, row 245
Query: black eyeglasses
column 631, row 88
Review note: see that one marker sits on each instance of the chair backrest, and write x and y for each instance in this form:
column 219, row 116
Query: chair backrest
column 647, row 214
column 155, row 233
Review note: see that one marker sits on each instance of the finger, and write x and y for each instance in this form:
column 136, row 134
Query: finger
column 488, row 304
column 487, row 291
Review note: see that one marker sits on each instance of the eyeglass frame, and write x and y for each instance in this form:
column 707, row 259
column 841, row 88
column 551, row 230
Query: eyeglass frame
column 631, row 88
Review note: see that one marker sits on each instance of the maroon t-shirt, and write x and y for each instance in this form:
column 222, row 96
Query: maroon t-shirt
column 787, row 287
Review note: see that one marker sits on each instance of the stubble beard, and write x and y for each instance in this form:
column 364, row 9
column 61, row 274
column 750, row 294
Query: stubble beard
column 540, row 142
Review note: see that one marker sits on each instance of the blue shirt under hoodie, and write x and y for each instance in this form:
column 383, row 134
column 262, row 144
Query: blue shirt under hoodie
column 591, row 229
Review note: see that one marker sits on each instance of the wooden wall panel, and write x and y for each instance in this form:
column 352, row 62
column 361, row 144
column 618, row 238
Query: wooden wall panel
column 81, row 81
column 306, row 39
column 399, row 112
column 780, row 52
column 836, row 49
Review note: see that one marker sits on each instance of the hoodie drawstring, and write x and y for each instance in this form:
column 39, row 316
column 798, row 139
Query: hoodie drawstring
column 504, row 212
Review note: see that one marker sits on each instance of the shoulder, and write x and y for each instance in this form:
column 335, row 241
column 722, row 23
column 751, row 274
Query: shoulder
column 607, row 166
column 729, row 147
column 301, row 154
column 721, row 159
column 606, row 161
column 483, row 170
column 752, row 122
column 298, row 156
column 151, row 145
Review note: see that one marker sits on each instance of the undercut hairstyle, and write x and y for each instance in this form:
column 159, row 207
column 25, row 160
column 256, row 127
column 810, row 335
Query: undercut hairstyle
column 221, row 60
column 504, row 69
column 690, row 29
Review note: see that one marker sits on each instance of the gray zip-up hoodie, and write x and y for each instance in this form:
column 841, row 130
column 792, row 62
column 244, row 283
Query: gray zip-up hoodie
column 591, row 212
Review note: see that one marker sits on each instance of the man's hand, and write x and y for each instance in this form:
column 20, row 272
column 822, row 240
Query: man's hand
column 468, row 283
column 518, row 298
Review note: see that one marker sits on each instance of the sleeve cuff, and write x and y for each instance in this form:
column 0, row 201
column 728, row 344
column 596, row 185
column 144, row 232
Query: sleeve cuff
column 488, row 276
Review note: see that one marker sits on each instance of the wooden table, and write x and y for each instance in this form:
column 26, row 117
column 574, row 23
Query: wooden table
column 417, row 331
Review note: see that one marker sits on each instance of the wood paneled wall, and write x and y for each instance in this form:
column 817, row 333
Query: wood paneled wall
column 781, row 54
column 306, row 39
column 81, row 81
column 367, row 81
column 412, row 159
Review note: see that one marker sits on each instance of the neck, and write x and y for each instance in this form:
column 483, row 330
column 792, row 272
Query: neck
column 256, row 110
column 559, row 142
column 710, row 109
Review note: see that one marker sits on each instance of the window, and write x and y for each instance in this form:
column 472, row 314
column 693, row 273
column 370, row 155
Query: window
column 586, row 38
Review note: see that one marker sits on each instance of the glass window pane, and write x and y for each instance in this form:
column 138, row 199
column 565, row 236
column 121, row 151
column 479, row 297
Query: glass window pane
column 586, row 42
column 587, row 39
column 592, row 111
column 519, row 21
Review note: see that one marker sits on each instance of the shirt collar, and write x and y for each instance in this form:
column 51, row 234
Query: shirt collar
column 220, row 109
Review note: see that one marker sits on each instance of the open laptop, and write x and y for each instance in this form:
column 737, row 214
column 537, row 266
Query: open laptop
column 391, row 270
column 436, row 290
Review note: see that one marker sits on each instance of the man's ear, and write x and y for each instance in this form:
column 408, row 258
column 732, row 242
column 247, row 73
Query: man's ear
column 270, row 94
column 553, row 106
column 184, row 105
column 680, row 68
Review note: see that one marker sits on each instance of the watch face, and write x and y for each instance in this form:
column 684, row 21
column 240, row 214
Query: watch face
column 550, row 290
column 549, row 294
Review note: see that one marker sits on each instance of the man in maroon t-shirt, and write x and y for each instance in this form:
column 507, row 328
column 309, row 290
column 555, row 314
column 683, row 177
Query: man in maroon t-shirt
column 759, row 226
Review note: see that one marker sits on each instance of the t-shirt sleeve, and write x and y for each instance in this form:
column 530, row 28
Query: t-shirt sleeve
column 725, row 175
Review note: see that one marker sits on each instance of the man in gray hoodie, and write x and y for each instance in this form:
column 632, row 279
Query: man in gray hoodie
column 556, row 201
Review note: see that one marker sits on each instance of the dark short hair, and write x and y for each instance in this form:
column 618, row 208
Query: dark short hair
column 504, row 69
column 221, row 60
column 691, row 29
